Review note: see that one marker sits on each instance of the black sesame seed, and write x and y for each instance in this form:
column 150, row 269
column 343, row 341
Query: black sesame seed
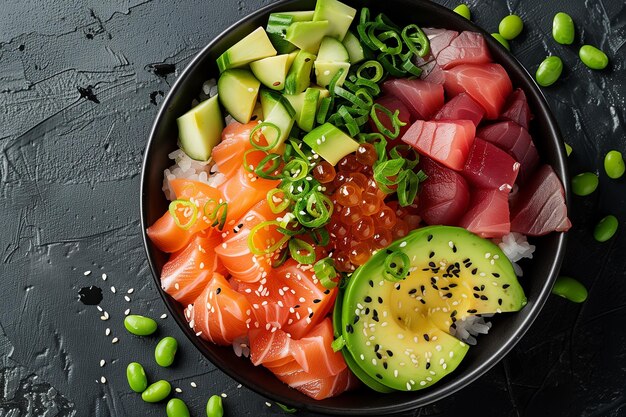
column 371, row 283
column 307, row 59
column 327, row 292
column 379, row 376
column 495, row 274
column 376, row 347
column 453, row 319
column 452, row 285
column 448, row 295
column 453, row 325
column 422, row 288
column 317, row 300
column 427, row 365
column 505, row 286
column 482, row 287
column 472, row 311
column 430, row 237
column 426, row 337
column 422, row 301
column 389, row 251
column 453, row 313
column 375, row 318
column 413, row 291
column 476, row 289
column 356, row 319
column 445, row 288
column 367, row 310
column 431, row 254
column 476, row 295
column 474, row 271
column 484, row 297
column 435, row 287
column 499, row 301
column 349, row 328
column 379, row 356
column 466, row 260
column 367, row 299
column 219, row 290
column 393, row 265
column 380, row 300
column 454, row 248
column 296, row 306
column 385, row 365
column 390, row 353
column 311, row 315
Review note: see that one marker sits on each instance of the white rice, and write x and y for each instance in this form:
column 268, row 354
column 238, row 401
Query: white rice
column 241, row 346
column 516, row 247
column 185, row 167
column 468, row 328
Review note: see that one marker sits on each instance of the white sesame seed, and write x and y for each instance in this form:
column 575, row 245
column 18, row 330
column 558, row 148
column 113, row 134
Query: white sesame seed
column 193, row 384
column 107, row 331
column 130, row 291
column 104, row 277
column 163, row 316
column 102, row 363
column 422, row 383
column 99, row 308
column 408, row 386
column 103, row 380
column 239, row 386
column 87, row 273
column 223, row 394
column 127, row 312
column 115, row 340
column 487, row 255
column 402, row 244
column 113, row 290
column 268, row 404
column 178, row 390
column 127, row 298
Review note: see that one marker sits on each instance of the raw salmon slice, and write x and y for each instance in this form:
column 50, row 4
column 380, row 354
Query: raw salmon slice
column 167, row 236
column 447, row 142
column 187, row 272
column 271, row 301
column 204, row 196
column 228, row 154
column 219, row 314
column 488, row 84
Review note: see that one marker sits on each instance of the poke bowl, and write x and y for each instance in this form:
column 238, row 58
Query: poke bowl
column 529, row 183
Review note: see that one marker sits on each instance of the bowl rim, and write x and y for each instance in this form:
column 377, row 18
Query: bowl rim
column 533, row 307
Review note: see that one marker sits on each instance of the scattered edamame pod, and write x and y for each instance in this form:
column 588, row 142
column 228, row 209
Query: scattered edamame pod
column 214, row 407
column 140, row 325
column 614, row 164
column 165, row 351
column 605, row 229
column 563, row 28
column 176, row 408
column 136, row 376
column 569, row 288
column 463, row 10
column 549, row 71
column 568, row 149
column 593, row 57
column 157, row 392
column 584, row 184
column 510, row 27
column 503, row 41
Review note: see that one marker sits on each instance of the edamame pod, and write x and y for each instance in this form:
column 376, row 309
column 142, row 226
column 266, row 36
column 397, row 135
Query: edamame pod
column 563, row 28
column 156, row 392
column 549, row 71
column 584, row 184
column 140, row 325
column 136, row 376
column 605, row 229
column 176, row 408
column 593, row 57
column 503, row 41
column 510, row 27
column 463, row 10
column 614, row 164
column 214, row 407
column 165, row 351
column 569, row 288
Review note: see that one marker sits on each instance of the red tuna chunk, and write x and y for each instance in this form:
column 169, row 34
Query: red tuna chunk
column 447, row 142
column 392, row 103
column 540, row 207
column 444, row 196
column 439, row 39
column 488, row 84
column 488, row 214
column 461, row 107
column 422, row 98
column 488, row 166
column 516, row 109
column 467, row 48
column 516, row 140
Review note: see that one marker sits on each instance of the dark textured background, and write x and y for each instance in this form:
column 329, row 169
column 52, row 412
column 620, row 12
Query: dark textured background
column 79, row 88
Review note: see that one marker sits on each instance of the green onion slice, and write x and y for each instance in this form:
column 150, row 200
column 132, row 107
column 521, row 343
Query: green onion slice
column 266, row 171
column 396, row 266
column 325, row 271
column 273, row 246
column 295, row 170
column 190, row 210
column 260, row 134
column 338, row 344
column 277, row 200
column 301, row 251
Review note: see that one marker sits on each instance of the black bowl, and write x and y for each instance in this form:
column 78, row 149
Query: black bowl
column 507, row 330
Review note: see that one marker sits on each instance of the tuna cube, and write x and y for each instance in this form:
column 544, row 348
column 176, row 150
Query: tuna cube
column 488, row 166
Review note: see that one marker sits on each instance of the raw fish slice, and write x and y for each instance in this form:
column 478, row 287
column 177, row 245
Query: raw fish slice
column 314, row 353
column 461, row 107
column 488, row 166
column 315, row 387
column 467, row 48
column 516, row 140
column 228, row 154
column 447, row 142
column 488, row 84
column 219, row 314
column 540, row 206
column 264, row 297
column 270, row 348
column 444, row 196
column 167, row 236
column 517, row 110
column 422, row 98
column 439, row 39
column 488, row 214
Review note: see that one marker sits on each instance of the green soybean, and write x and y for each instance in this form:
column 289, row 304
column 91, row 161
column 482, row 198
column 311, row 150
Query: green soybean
column 510, row 27
column 568, row 149
column 605, row 229
column 563, row 28
column 176, row 408
column 214, row 407
column 549, row 71
column 463, row 10
column 140, row 325
column 593, row 57
column 584, row 184
column 136, row 376
column 503, row 41
column 569, row 288
column 157, row 392
column 165, row 351
column 614, row 164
